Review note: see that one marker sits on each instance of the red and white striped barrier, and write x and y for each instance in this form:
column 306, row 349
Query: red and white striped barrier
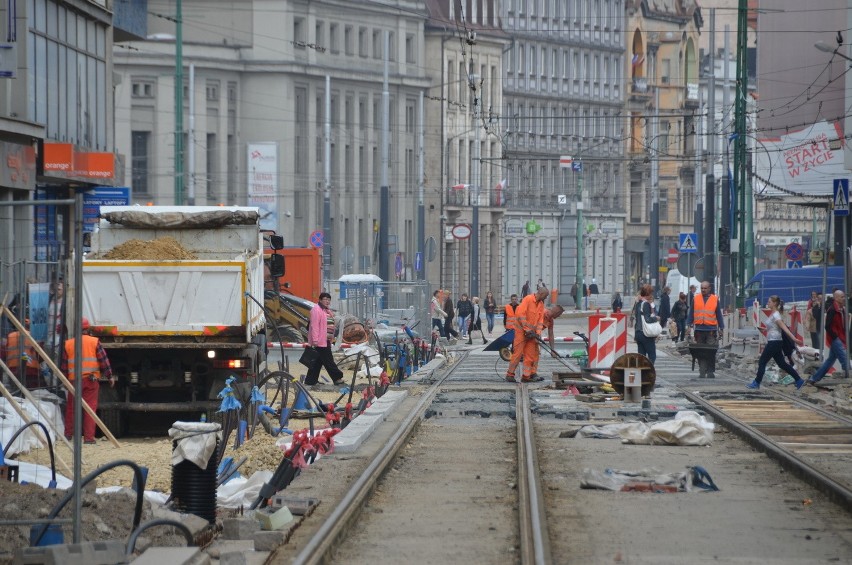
column 575, row 338
column 607, row 339
column 796, row 326
column 290, row 345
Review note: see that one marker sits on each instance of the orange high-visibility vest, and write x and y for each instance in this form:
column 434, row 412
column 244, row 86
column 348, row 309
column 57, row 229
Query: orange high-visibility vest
column 89, row 364
column 15, row 352
column 509, row 314
column 705, row 312
column 530, row 315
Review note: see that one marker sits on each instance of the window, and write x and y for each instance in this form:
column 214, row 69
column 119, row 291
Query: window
column 451, row 79
column 212, row 90
column 410, row 56
column 334, row 38
column 362, row 42
column 212, row 170
column 299, row 33
column 348, row 46
column 667, row 71
column 140, row 151
column 319, row 33
column 377, row 44
column 391, row 46
column 142, row 89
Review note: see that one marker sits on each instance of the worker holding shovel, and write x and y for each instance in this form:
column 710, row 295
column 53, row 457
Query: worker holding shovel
column 529, row 322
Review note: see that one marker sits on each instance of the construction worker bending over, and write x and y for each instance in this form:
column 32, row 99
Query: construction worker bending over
column 94, row 366
column 20, row 353
column 529, row 321
column 550, row 315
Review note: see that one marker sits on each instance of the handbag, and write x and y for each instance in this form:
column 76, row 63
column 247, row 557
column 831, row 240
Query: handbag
column 650, row 329
column 309, row 355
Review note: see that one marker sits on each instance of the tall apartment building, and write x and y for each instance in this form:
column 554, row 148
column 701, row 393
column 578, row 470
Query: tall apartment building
column 56, row 116
column 463, row 142
column 258, row 126
column 663, row 110
column 564, row 95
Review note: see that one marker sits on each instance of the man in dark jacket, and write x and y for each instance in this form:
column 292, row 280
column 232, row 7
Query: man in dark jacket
column 665, row 307
column 836, row 321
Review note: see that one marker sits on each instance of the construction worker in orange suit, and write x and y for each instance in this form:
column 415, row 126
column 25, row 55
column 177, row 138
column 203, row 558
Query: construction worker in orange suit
column 529, row 322
column 20, row 352
column 550, row 314
column 94, row 366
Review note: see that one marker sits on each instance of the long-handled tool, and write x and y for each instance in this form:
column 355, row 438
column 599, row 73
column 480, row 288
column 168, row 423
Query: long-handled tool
column 552, row 351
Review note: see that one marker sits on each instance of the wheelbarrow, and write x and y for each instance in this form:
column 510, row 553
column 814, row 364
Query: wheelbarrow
column 702, row 352
column 503, row 344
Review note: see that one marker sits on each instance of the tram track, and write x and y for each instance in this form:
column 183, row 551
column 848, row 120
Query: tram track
column 508, row 483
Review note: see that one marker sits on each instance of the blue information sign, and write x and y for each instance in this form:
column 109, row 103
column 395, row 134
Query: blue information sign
column 418, row 261
column 688, row 243
column 841, row 197
column 102, row 196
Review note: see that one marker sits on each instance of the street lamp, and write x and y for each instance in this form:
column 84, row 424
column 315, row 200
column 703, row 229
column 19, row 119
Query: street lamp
column 823, row 46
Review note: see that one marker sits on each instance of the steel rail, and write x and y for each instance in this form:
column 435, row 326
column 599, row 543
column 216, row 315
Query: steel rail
column 326, row 539
column 837, row 492
column 535, row 540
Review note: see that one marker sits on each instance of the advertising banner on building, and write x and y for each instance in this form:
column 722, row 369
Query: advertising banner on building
column 263, row 182
column 800, row 162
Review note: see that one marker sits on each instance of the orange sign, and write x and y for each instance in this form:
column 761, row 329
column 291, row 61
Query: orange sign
column 67, row 159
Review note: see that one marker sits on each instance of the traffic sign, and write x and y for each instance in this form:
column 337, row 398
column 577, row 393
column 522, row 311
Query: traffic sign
column 461, row 231
column 794, row 251
column 316, row 239
column 398, row 265
column 673, row 255
column 815, row 256
column 418, row 261
column 565, row 161
column 688, row 243
column 794, row 264
column 841, row 197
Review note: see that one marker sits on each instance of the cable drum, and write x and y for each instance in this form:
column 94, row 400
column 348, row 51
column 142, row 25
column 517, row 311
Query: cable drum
column 194, row 467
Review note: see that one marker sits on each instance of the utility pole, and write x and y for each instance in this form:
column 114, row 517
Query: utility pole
column 743, row 195
column 384, row 196
column 725, row 219
column 710, row 190
column 190, row 156
column 421, row 182
column 581, row 251
column 654, row 240
column 179, row 103
column 326, row 203
column 476, row 158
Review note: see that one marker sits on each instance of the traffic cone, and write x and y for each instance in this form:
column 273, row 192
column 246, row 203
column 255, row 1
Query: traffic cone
column 301, row 402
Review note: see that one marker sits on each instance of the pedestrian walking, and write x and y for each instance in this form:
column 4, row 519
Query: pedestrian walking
column 645, row 308
column 775, row 327
column 449, row 331
column 490, row 306
column 813, row 318
column 525, row 290
column 437, row 313
column 320, row 336
column 836, row 322
column 705, row 319
column 464, row 310
column 529, row 319
column 679, row 313
column 94, row 367
column 665, row 310
column 617, row 302
column 475, row 322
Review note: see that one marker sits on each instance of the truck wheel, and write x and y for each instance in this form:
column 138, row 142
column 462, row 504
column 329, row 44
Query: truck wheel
column 289, row 334
column 114, row 421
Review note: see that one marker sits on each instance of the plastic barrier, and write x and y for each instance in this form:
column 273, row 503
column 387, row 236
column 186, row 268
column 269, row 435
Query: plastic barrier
column 607, row 339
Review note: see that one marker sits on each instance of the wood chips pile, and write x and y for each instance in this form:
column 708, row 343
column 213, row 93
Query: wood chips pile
column 164, row 248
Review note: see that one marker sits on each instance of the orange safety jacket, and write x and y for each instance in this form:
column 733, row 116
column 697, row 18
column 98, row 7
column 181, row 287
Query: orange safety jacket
column 530, row 315
column 15, row 352
column 705, row 312
column 509, row 313
column 89, row 363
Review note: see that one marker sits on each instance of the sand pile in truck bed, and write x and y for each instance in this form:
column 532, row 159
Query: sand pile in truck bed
column 157, row 249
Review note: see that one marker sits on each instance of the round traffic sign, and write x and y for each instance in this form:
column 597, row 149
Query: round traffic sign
column 672, row 256
column 316, row 239
column 815, row 256
column 461, row 231
column 794, row 251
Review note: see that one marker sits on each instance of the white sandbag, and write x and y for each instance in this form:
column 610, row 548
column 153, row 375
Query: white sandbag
column 687, row 428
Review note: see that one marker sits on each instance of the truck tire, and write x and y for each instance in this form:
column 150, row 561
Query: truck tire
column 289, row 334
column 114, row 420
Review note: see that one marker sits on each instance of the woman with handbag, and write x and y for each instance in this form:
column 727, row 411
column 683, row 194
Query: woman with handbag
column 646, row 317
column 320, row 336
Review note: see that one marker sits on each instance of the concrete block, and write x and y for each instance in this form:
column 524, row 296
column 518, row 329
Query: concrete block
column 173, row 556
column 391, row 397
column 87, row 553
column 191, row 521
column 239, row 528
column 353, row 435
column 269, row 541
column 274, row 518
column 244, row 558
column 218, row 547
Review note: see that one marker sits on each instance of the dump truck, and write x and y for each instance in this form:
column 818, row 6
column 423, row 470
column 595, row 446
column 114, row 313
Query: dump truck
column 176, row 326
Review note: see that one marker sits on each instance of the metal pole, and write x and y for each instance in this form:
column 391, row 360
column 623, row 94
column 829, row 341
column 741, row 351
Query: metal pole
column 580, row 248
column 77, row 322
column 384, row 197
column 740, row 141
column 725, row 208
column 421, row 182
column 190, row 156
column 654, row 240
column 474, row 236
column 326, row 204
column 179, row 103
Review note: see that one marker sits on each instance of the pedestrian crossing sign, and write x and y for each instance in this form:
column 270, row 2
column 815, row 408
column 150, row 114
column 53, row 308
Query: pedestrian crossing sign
column 688, row 243
column 841, row 197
